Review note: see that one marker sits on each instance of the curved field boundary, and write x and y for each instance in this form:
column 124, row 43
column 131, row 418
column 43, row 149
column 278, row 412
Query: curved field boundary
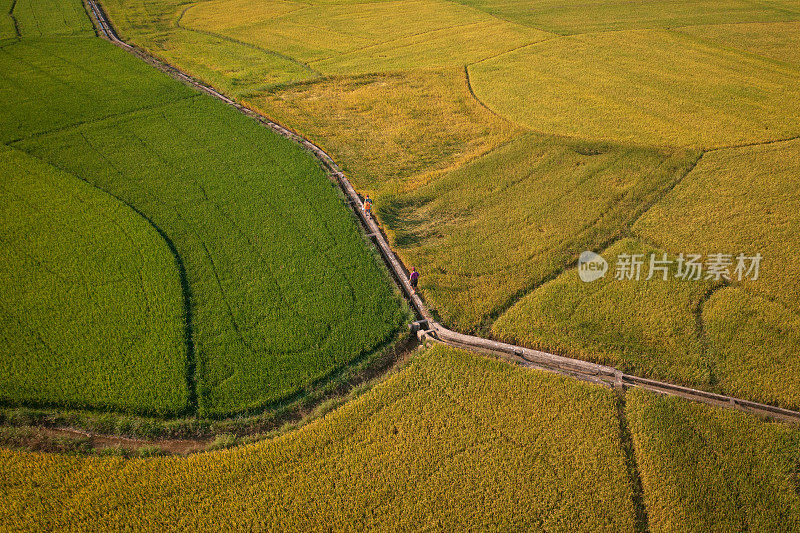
column 427, row 327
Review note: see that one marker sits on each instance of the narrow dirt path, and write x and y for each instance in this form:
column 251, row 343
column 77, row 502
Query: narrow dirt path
column 427, row 328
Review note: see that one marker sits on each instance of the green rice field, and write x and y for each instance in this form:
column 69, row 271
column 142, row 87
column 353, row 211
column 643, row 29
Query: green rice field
column 269, row 286
column 81, row 323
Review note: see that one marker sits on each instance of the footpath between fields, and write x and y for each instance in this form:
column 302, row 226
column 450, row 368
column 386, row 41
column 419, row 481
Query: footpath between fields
column 426, row 327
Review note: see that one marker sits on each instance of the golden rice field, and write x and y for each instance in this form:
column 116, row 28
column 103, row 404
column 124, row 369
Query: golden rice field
column 451, row 442
column 378, row 36
column 706, row 469
column 643, row 87
column 576, row 17
column 643, row 327
column 560, row 198
column 743, row 339
column 391, row 132
column 701, row 334
column 753, row 344
column 775, row 41
column 740, row 200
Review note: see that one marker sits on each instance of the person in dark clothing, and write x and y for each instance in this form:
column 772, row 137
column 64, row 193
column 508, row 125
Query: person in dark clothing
column 413, row 278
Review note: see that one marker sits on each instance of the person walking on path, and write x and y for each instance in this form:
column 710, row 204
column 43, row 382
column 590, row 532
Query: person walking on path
column 413, row 278
column 368, row 206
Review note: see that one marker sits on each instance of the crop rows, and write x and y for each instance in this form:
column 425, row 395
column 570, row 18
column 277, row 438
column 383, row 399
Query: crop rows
column 49, row 18
column 91, row 308
column 279, row 289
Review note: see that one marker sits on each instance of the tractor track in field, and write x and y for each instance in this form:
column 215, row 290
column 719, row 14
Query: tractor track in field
column 427, row 328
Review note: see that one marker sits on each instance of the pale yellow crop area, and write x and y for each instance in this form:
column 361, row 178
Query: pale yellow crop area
column 643, row 87
column 500, row 139
column 740, row 200
column 779, row 41
column 371, row 37
column 580, row 16
column 708, row 469
column 739, row 338
column 643, row 327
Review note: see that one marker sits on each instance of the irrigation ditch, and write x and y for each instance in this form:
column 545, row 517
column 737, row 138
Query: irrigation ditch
column 425, row 329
